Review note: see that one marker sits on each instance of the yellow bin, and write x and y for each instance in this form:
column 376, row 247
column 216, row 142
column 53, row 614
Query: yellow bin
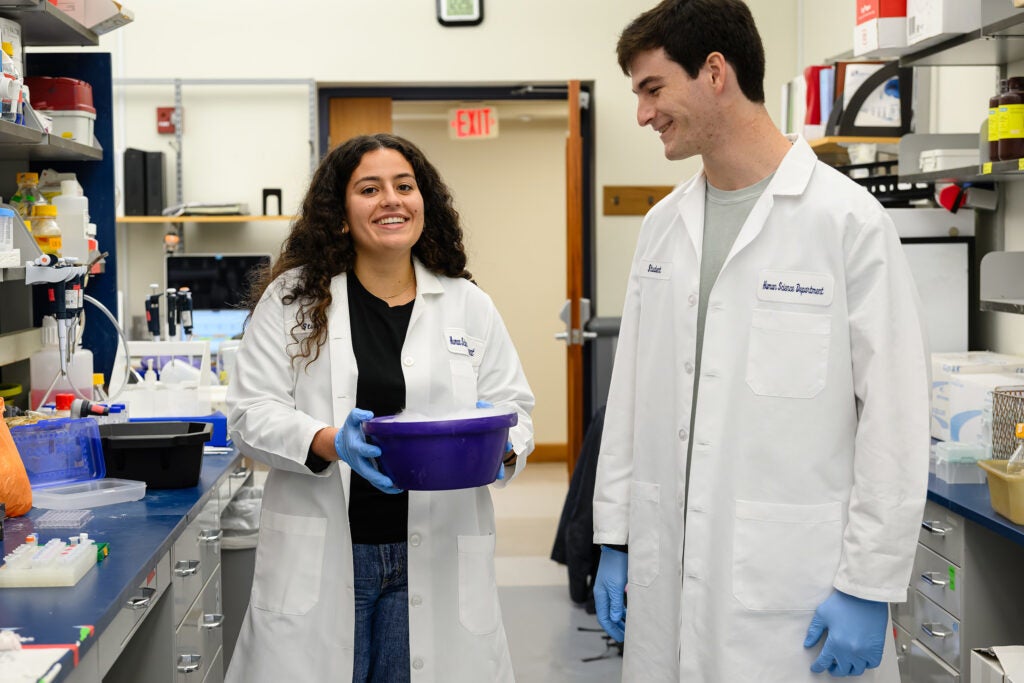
column 1005, row 490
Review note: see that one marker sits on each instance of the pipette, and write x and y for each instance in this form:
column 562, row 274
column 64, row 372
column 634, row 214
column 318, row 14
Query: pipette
column 153, row 312
column 172, row 312
column 185, row 310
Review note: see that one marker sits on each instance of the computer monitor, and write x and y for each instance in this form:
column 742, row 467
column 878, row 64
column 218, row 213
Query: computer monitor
column 217, row 325
column 217, row 281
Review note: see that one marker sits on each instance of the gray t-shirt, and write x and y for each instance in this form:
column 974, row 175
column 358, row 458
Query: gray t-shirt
column 725, row 211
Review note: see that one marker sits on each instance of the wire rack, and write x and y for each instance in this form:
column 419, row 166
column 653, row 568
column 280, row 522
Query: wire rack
column 1007, row 411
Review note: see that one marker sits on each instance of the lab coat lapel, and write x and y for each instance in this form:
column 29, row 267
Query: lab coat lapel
column 344, row 373
column 691, row 210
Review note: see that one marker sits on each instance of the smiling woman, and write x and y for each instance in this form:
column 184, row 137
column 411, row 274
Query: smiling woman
column 358, row 318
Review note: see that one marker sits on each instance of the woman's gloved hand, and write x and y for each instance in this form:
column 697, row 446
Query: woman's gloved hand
column 856, row 634
column 350, row 443
column 508, row 444
column 609, row 590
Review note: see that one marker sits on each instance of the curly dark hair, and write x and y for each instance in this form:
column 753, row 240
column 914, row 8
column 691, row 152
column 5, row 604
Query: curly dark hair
column 317, row 246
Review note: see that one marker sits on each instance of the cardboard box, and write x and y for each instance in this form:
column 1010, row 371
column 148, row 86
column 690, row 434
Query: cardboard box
column 1004, row 664
column 961, row 407
column 932, row 21
column 102, row 16
column 881, row 27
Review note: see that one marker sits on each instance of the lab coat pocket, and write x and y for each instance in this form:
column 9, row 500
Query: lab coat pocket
column 463, row 382
column 788, row 354
column 289, row 563
column 785, row 557
column 479, row 612
column 644, row 533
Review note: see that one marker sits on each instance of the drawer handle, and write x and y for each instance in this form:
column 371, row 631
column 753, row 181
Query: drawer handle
column 210, row 535
column 188, row 663
column 934, row 578
column 142, row 600
column 936, row 630
column 240, row 473
column 186, row 568
column 212, row 621
column 935, row 527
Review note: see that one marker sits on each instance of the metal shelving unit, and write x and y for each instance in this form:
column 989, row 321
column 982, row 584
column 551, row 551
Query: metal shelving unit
column 43, row 24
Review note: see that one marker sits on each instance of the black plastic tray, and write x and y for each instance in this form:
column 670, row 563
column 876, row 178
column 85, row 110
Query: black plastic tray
column 165, row 455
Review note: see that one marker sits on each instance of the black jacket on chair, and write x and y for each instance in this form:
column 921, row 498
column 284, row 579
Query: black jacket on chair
column 574, row 540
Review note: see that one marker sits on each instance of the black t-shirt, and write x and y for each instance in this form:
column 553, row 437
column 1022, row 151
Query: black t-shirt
column 378, row 333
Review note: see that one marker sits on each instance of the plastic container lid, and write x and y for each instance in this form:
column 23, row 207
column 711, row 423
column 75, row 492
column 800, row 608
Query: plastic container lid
column 64, row 401
column 44, row 210
column 27, row 176
column 62, row 451
column 4, row 211
column 89, row 494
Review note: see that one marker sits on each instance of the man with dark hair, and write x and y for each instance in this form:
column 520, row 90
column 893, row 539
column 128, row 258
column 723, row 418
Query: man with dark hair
column 764, row 460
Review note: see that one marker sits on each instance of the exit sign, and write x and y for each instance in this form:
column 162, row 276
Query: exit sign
column 465, row 124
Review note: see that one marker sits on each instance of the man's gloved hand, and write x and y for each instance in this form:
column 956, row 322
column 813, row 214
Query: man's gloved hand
column 352, row 448
column 856, row 634
column 508, row 444
column 609, row 590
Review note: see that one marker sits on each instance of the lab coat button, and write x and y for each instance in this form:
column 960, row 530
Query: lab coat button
column 417, row 663
column 408, row 361
column 689, row 368
column 416, row 601
column 414, row 540
column 683, row 433
column 692, row 299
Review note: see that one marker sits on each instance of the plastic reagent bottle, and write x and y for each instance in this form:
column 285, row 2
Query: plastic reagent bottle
column 27, row 195
column 45, row 229
column 44, row 366
column 12, row 81
column 73, row 211
column 1016, row 463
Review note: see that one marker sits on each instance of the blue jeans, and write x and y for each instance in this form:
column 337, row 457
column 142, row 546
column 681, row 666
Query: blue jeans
column 382, row 613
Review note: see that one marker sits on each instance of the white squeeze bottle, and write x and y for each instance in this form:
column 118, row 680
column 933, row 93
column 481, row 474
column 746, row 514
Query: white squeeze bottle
column 73, row 213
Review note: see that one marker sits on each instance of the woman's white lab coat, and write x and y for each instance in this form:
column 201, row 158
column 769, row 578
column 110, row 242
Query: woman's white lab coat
column 299, row 625
column 810, row 447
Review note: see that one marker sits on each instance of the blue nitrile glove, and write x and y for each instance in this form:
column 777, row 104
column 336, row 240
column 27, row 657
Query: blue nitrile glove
column 609, row 589
column 508, row 444
column 352, row 448
column 856, row 634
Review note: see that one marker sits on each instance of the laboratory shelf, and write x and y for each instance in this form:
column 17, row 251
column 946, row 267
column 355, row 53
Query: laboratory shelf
column 995, row 43
column 201, row 219
column 43, row 24
column 1001, row 287
column 15, row 134
column 12, row 274
column 834, row 144
column 54, row 148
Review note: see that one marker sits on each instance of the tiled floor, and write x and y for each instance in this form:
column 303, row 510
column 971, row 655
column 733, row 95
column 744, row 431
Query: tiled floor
column 541, row 621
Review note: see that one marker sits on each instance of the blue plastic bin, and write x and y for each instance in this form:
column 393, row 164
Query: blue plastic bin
column 63, row 451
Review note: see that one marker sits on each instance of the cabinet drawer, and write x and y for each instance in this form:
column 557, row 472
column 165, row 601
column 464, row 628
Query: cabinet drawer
column 199, row 637
column 937, row 630
column 903, row 639
column 924, row 666
column 903, row 612
column 943, row 531
column 139, row 603
column 938, row 579
column 195, row 556
column 216, row 672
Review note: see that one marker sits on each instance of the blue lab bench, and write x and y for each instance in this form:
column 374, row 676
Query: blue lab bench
column 94, row 619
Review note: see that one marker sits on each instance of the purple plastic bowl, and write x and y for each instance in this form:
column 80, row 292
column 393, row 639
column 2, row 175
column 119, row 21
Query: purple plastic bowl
column 441, row 455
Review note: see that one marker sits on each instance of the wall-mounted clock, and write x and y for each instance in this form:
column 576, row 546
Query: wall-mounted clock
column 460, row 12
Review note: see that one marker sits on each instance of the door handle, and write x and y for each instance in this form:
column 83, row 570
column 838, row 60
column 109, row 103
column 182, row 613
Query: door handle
column 936, row 630
column 935, row 527
column 210, row 535
column 142, row 600
column 241, row 473
column 211, row 621
column 186, row 567
column 188, row 663
column 934, row 578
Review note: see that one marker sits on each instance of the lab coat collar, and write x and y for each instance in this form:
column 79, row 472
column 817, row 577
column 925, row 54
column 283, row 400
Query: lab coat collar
column 791, row 177
column 426, row 281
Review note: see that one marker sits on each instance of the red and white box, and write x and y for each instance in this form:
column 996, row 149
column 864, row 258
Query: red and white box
column 68, row 101
column 881, row 27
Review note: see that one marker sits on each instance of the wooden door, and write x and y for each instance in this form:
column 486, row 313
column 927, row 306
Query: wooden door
column 574, row 277
column 351, row 116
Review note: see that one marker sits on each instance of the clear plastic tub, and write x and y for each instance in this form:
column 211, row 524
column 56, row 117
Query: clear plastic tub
column 89, row 494
column 59, row 452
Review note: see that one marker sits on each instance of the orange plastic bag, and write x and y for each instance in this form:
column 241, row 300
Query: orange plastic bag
column 15, row 489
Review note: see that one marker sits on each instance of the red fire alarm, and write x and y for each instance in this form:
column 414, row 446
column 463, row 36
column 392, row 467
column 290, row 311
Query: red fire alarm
column 165, row 120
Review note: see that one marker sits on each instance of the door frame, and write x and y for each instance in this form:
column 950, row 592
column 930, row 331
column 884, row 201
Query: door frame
column 556, row 91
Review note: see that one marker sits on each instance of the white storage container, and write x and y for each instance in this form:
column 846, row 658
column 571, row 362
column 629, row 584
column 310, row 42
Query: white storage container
column 74, row 125
column 932, row 21
column 943, row 159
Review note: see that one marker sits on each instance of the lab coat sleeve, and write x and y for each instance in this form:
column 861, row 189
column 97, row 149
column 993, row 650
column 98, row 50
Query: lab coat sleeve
column 502, row 382
column 262, row 414
column 615, row 457
column 890, row 373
